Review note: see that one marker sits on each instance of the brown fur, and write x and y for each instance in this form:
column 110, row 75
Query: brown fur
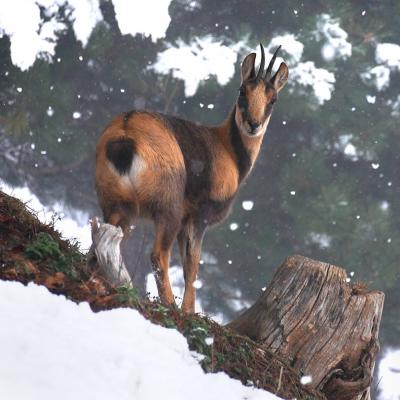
column 180, row 175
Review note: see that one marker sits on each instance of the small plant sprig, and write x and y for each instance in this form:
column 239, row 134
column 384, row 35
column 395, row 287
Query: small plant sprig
column 128, row 294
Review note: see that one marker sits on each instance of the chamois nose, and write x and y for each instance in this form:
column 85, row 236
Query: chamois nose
column 254, row 125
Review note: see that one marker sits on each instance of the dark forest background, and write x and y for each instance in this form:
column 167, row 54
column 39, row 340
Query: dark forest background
column 310, row 196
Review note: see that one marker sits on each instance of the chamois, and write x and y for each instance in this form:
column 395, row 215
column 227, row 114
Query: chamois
column 181, row 175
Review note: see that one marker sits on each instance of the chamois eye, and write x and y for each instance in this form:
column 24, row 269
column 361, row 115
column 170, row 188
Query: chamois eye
column 273, row 100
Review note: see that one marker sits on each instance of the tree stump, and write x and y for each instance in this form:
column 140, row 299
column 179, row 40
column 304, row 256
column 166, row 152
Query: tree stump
column 105, row 253
column 326, row 327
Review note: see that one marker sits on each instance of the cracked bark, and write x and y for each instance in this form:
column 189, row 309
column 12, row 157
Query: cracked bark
column 326, row 327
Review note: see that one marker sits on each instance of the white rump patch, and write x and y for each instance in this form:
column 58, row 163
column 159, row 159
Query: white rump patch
column 138, row 165
column 131, row 179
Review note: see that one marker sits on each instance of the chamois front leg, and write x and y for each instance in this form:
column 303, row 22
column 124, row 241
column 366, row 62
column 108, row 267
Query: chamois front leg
column 160, row 256
column 190, row 240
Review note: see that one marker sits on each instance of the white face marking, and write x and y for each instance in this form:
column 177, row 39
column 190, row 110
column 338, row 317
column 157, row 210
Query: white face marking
column 245, row 128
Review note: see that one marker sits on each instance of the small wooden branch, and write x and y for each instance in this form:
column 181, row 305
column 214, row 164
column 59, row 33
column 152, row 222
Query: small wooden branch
column 106, row 249
column 327, row 328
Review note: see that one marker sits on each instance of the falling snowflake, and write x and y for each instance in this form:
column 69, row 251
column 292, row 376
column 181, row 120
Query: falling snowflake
column 247, row 205
column 233, row 226
column 306, row 379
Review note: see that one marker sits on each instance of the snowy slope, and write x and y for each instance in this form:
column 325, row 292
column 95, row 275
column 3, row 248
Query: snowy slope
column 53, row 348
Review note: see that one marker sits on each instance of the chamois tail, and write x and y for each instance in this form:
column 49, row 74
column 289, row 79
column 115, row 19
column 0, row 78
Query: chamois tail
column 120, row 153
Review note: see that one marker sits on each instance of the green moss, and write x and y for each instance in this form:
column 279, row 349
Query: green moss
column 46, row 249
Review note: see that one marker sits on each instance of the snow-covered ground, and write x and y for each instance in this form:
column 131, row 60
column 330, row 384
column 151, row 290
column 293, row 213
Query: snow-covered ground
column 389, row 375
column 53, row 348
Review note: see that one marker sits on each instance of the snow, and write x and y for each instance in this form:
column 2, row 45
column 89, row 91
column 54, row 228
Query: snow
column 178, row 287
column 52, row 347
column 388, row 375
column 378, row 76
column 335, row 38
column 196, row 61
column 140, row 17
column 32, row 38
column 247, row 205
column 197, row 284
column 209, row 341
column 306, row 379
column 50, row 111
column 304, row 74
column 320, row 80
column 193, row 62
column 395, row 105
column 73, row 224
column 86, row 14
column 293, row 47
column 387, row 55
column 177, row 283
column 323, row 240
column 384, row 205
column 233, row 226
column 22, row 29
column 349, row 150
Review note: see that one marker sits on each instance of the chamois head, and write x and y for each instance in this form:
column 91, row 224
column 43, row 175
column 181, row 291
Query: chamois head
column 258, row 93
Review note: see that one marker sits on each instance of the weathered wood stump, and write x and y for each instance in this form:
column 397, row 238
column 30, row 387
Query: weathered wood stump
column 326, row 327
column 105, row 253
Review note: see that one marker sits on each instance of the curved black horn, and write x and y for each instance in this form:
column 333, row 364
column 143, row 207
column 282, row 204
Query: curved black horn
column 262, row 64
column 271, row 64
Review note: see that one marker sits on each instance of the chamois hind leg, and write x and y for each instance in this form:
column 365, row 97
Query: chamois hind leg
column 121, row 214
column 166, row 231
column 190, row 240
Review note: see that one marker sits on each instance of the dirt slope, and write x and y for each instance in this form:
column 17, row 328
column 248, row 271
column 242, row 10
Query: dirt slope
column 33, row 252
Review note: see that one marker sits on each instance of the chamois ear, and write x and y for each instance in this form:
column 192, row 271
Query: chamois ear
column 280, row 78
column 248, row 71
